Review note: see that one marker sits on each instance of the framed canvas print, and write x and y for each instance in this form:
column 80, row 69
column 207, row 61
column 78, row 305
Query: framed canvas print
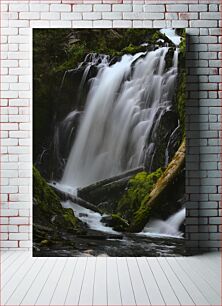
column 109, row 142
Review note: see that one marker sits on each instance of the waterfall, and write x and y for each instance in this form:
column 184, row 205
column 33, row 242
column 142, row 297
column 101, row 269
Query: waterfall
column 124, row 101
column 169, row 227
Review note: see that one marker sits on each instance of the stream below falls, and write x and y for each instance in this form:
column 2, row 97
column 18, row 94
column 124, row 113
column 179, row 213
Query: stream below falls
column 159, row 238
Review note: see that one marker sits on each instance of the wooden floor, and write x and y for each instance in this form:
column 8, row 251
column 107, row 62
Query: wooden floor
column 110, row 281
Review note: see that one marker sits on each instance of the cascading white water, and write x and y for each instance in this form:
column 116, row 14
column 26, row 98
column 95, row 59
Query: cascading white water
column 91, row 218
column 169, row 227
column 120, row 110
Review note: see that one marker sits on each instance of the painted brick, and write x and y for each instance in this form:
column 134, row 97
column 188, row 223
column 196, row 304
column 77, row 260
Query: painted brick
column 135, row 15
column 83, row 8
column 213, row 7
column 9, row 244
column 38, row 24
column 19, row 7
column 203, row 23
column 122, row 23
column 50, row 16
column 179, row 23
column 60, row 8
column 112, row 15
column 92, row 16
column 177, row 8
column 212, row 15
column 162, row 24
column 122, row 7
column 198, row 7
column 60, row 24
column 18, row 236
column 39, row 7
column 71, row 16
column 154, row 8
column 82, row 24
column 188, row 16
column 102, row 7
column 171, row 16
column 29, row 15
column 137, row 7
column 102, row 24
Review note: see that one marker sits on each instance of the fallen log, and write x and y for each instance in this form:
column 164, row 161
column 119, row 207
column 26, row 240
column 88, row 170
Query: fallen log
column 65, row 196
column 108, row 190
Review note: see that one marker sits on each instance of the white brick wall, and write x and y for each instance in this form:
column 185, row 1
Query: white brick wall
column 200, row 17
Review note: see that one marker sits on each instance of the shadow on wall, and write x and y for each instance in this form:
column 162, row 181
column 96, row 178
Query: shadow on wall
column 192, row 151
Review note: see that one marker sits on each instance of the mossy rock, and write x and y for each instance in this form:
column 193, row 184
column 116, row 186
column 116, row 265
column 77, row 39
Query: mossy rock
column 50, row 218
column 138, row 187
column 116, row 222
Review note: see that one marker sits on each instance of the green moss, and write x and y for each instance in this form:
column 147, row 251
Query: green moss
column 75, row 55
column 139, row 186
column 48, row 210
column 157, row 36
column 45, row 197
column 131, row 49
column 70, row 217
column 118, row 223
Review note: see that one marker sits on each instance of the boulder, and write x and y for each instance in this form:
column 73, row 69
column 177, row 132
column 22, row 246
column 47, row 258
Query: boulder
column 116, row 222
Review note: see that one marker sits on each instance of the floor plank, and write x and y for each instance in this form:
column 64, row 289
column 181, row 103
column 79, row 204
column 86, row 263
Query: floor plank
column 100, row 283
column 208, row 292
column 13, row 269
column 153, row 290
column 110, row 281
column 62, row 287
column 86, row 294
column 46, row 294
column 113, row 285
column 23, row 286
column 180, row 291
column 126, row 289
column 213, row 279
column 4, row 255
column 211, row 260
column 190, row 286
column 39, row 282
column 139, row 289
column 74, row 289
column 10, row 261
column 165, row 287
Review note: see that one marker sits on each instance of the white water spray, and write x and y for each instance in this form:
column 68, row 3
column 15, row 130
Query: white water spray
column 169, row 227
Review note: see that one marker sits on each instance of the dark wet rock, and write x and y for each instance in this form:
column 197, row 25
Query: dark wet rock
column 83, row 215
column 50, row 218
column 158, row 141
column 174, row 143
column 169, row 58
column 116, row 222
